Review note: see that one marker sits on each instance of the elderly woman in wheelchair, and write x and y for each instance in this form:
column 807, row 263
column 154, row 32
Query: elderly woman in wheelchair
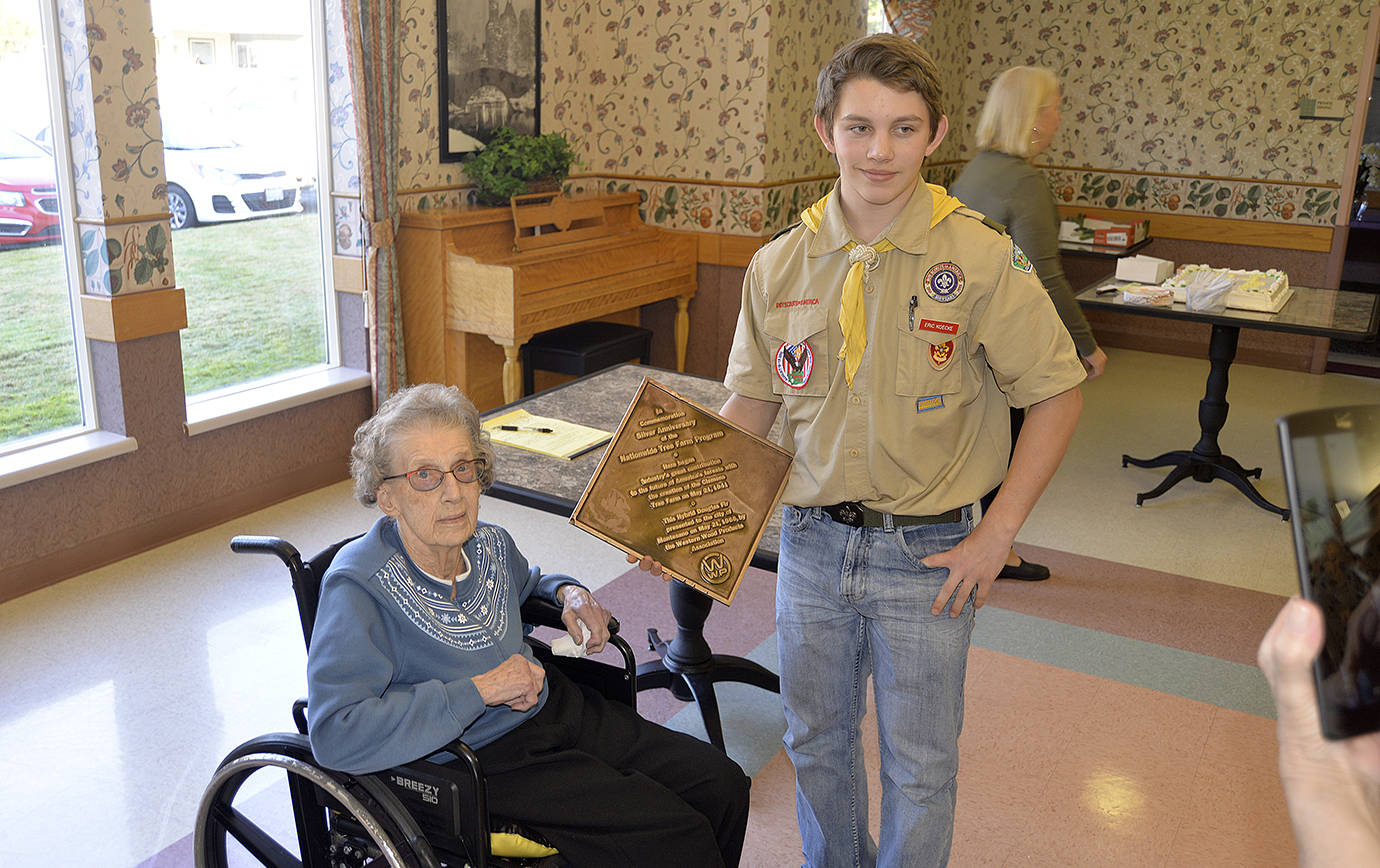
column 418, row 641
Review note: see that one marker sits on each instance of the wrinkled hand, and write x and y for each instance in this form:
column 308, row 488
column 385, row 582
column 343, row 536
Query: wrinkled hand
column 1095, row 364
column 580, row 605
column 973, row 563
column 1332, row 787
column 646, row 564
column 516, row 683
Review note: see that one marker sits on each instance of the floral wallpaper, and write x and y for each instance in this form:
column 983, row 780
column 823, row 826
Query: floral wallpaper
column 117, row 150
column 345, row 210
column 803, row 37
column 1188, row 107
column 701, row 105
column 947, row 39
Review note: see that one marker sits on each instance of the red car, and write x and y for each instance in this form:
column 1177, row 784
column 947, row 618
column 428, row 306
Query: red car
column 28, row 192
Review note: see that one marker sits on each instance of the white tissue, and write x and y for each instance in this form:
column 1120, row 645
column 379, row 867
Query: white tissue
column 564, row 646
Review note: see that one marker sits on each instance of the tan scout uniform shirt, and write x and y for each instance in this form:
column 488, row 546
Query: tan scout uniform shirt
column 925, row 427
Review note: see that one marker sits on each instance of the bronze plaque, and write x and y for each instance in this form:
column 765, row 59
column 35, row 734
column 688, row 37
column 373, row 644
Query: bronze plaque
column 687, row 487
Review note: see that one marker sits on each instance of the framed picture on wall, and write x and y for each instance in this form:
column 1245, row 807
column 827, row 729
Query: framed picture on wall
column 490, row 64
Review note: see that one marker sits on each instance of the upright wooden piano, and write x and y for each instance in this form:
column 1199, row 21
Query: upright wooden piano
column 478, row 283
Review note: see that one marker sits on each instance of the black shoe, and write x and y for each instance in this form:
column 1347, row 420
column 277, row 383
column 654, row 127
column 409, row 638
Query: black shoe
column 1025, row 571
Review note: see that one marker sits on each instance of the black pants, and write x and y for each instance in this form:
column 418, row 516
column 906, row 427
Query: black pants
column 1017, row 420
column 609, row 788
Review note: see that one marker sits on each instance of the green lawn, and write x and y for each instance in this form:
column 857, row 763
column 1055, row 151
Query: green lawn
column 255, row 308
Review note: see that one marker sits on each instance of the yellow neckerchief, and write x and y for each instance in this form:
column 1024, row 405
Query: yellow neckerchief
column 863, row 258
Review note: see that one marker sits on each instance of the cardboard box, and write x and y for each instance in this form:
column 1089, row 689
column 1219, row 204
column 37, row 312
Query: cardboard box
column 1089, row 231
column 1144, row 269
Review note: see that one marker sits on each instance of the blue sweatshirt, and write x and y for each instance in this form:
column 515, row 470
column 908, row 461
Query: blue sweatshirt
column 391, row 657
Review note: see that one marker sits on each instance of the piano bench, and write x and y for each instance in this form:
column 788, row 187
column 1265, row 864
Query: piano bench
column 583, row 348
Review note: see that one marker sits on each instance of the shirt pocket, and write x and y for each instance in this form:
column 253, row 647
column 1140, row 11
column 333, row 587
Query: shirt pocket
column 929, row 362
column 799, row 337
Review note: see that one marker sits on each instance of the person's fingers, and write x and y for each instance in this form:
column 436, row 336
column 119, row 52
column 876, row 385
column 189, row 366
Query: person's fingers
column 1286, row 657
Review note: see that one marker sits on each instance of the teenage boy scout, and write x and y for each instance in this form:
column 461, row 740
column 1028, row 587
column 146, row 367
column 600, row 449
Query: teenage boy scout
column 895, row 328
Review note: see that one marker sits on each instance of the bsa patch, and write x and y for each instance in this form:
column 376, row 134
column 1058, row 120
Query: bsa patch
column 933, row 402
column 941, row 355
column 944, row 282
column 794, row 363
column 1019, row 260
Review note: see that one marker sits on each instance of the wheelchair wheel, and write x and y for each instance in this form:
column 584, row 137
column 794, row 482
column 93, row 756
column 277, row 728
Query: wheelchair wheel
column 335, row 820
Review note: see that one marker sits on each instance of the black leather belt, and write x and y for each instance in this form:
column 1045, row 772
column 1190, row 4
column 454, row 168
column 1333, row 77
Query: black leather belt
column 854, row 514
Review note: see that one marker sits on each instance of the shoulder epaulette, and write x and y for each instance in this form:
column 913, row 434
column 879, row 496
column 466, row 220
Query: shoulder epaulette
column 999, row 228
column 783, row 231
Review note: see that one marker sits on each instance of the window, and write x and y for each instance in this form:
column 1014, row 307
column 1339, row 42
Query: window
column 876, row 18
column 44, row 386
column 240, row 139
column 201, row 51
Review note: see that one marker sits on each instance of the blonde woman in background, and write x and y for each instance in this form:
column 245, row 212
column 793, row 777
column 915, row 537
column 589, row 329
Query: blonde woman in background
column 1017, row 123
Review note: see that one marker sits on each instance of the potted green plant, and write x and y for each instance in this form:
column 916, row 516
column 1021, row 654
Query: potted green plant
column 512, row 164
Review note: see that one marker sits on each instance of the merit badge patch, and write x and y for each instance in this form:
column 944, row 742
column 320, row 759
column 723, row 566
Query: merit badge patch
column 794, row 363
column 933, row 402
column 944, row 282
column 1019, row 260
column 941, row 355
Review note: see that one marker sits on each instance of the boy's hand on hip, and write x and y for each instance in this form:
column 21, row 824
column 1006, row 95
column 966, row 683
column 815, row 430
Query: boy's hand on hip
column 972, row 564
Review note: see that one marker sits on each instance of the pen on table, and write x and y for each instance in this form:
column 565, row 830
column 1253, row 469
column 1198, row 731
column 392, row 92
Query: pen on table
column 524, row 428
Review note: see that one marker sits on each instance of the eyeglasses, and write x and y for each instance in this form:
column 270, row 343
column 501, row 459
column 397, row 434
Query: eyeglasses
column 430, row 478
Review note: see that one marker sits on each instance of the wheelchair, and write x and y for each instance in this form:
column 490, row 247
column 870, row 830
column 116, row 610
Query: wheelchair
column 421, row 815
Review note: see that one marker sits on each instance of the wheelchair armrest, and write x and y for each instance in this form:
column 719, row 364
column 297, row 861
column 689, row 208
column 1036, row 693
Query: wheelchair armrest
column 299, row 715
column 544, row 613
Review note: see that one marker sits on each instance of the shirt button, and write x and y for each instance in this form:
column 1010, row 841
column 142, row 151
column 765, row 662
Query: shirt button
column 855, row 399
column 853, row 453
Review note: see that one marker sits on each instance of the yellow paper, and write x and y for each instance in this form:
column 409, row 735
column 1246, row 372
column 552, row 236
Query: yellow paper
column 560, row 439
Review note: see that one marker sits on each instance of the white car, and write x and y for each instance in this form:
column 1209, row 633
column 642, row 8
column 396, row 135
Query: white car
column 212, row 180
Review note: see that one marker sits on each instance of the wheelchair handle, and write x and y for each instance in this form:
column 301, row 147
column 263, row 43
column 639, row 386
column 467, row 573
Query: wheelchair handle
column 268, row 545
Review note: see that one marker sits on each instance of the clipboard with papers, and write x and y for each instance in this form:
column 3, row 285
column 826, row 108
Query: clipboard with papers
column 544, row 435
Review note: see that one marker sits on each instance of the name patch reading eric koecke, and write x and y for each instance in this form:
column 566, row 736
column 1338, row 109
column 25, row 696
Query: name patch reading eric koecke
column 794, row 363
column 938, row 325
column 944, row 282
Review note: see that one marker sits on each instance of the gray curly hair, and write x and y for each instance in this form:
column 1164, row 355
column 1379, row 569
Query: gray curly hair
column 372, row 454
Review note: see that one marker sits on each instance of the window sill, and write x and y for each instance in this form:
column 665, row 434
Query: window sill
column 59, row 455
column 215, row 410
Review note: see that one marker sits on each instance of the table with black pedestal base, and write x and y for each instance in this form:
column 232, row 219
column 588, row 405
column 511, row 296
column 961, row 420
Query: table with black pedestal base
column 686, row 665
column 1325, row 313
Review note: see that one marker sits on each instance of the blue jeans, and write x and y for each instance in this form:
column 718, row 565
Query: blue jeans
column 853, row 602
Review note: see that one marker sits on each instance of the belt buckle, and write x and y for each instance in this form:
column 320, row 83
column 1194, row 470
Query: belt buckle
column 850, row 514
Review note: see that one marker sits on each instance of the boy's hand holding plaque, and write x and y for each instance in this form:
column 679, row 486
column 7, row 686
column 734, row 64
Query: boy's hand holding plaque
column 686, row 487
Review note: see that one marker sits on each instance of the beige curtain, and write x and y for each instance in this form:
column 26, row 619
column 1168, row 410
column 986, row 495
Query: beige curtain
column 371, row 28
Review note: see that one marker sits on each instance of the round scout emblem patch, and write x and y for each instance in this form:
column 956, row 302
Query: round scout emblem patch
column 944, row 282
column 794, row 363
column 1019, row 260
column 941, row 355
